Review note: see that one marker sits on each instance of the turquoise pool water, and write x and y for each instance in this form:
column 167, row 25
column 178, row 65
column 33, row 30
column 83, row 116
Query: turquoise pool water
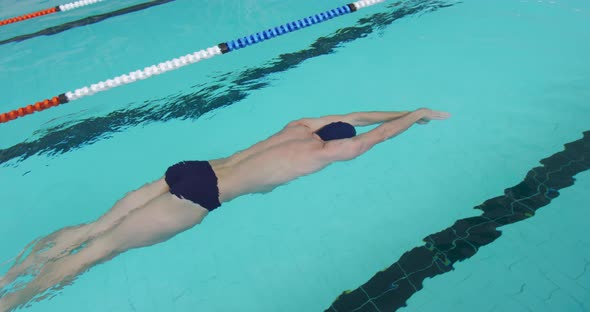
column 515, row 75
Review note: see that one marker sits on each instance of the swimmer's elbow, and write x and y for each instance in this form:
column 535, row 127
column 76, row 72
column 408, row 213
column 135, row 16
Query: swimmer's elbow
column 359, row 147
column 344, row 150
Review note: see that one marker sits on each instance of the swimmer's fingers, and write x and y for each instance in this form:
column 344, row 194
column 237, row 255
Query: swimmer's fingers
column 430, row 114
column 441, row 115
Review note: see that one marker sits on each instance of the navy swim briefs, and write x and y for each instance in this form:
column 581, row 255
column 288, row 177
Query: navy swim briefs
column 195, row 181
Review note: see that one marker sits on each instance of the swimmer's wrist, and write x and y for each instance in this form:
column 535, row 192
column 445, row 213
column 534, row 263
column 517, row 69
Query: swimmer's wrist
column 419, row 113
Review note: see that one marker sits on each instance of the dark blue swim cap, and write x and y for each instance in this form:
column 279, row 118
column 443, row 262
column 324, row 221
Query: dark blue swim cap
column 336, row 131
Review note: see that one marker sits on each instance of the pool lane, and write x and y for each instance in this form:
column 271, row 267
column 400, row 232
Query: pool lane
column 389, row 289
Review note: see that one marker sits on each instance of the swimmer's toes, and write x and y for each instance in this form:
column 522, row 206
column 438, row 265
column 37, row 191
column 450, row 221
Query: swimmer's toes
column 3, row 283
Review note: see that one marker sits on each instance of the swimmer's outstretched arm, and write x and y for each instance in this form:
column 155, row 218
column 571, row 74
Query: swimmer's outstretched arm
column 371, row 118
column 347, row 149
column 356, row 119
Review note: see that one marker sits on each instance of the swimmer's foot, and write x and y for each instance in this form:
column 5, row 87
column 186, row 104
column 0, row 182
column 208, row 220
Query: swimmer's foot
column 53, row 246
column 17, row 299
column 53, row 275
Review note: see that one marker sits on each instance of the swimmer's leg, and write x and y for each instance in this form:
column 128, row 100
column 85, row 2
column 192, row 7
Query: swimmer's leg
column 67, row 239
column 130, row 202
column 155, row 222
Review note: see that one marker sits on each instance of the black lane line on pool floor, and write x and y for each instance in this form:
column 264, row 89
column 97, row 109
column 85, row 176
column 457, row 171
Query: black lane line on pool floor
column 389, row 289
column 228, row 89
column 85, row 21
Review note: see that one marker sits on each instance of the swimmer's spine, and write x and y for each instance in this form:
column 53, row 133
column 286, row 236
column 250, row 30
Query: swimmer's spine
column 59, row 8
column 188, row 59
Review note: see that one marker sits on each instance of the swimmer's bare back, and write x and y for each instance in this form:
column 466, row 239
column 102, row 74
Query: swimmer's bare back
column 297, row 151
column 158, row 211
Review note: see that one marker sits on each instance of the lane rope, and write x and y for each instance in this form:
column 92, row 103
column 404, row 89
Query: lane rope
column 59, row 8
column 185, row 60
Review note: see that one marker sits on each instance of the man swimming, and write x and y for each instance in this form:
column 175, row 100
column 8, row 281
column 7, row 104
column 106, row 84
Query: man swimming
column 190, row 190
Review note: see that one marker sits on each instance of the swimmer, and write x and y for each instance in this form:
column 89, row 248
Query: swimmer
column 190, row 190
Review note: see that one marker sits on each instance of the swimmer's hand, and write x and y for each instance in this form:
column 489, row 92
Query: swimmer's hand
column 429, row 114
